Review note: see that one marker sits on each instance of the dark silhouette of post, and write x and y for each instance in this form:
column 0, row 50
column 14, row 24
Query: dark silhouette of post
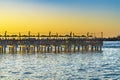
column 101, row 34
column 57, row 35
column 87, row 34
column 19, row 35
column 73, row 35
column 70, row 34
column 29, row 34
column 50, row 34
column 5, row 42
column 38, row 35
column 5, row 34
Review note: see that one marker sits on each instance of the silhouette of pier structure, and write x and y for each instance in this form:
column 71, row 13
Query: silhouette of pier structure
column 49, row 44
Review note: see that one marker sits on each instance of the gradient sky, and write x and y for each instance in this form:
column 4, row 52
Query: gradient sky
column 62, row 16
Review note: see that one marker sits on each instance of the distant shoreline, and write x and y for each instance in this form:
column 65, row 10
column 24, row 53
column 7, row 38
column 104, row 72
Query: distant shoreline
column 111, row 39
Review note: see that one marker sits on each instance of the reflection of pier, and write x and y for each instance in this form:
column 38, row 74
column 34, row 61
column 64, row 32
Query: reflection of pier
column 48, row 44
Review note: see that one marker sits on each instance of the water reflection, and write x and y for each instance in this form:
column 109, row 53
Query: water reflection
column 50, row 66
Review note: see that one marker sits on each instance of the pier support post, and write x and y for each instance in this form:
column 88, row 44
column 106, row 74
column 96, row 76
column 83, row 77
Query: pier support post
column 66, row 48
column 15, row 49
column 74, row 48
column 51, row 48
column 4, row 49
column 28, row 49
column 82, row 48
column 55, row 49
column 41, row 49
column 45, row 49
column 92, row 48
column 1, row 49
column 78, row 48
column 100, row 48
column 20, row 48
column 61, row 48
column 37, row 49
column 48, row 49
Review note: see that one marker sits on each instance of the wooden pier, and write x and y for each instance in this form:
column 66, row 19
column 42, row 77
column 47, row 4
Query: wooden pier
column 49, row 45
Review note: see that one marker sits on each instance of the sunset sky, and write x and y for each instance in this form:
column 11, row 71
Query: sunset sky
column 61, row 16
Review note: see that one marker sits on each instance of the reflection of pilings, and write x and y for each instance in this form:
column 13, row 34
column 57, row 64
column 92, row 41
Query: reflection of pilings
column 12, row 49
column 65, row 48
column 41, row 49
column 1, row 49
column 15, row 48
column 92, row 47
column 55, row 49
column 4, row 49
column 59, row 49
column 100, row 47
column 69, row 48
column 87, row 48
column 78, row 47
column 74, row 48
column 31, row 49
column 38, row 48
column 23, row 49
column 20, row 49
column 49, row 49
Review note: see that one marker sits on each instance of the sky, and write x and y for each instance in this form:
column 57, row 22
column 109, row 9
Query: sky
column 60, row 16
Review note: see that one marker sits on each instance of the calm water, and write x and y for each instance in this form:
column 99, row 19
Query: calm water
column 75, row 66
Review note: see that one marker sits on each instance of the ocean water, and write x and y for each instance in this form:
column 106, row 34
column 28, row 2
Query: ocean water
column 63, row 66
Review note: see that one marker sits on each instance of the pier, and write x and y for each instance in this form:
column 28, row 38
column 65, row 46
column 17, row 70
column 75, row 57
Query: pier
column 48, row 44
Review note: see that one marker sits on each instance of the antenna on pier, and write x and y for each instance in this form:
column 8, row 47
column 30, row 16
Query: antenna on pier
column 29, row 34
column 73, row 35
column 87, row 34
column 101, row 34
column 56, row 35
column 49, row 33
column 94, row 35
column 5, row 34
column 38, row 35
column 19, row 35
column 70, row 34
